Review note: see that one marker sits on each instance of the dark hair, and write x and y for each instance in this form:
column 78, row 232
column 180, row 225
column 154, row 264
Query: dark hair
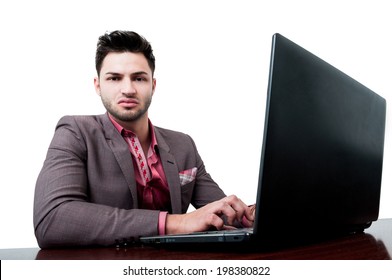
column 123, row 41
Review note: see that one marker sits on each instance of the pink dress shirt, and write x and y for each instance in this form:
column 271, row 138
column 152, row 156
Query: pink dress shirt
column 152, row 188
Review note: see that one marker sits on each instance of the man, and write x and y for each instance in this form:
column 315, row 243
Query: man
column 111, row 178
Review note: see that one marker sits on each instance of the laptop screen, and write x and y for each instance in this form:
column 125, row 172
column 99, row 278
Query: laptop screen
column 322, row 154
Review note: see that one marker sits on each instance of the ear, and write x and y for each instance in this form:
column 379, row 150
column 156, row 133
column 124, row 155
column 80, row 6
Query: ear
column 97, row 86
column 154, row 85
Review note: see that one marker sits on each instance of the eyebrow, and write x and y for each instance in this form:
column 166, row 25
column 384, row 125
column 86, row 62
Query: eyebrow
column 118, row 74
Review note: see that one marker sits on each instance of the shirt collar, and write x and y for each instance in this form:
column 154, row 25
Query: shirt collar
column 121, row 129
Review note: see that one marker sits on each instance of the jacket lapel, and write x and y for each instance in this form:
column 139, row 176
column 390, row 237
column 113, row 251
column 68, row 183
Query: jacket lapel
column 121, row 152
column 171, row 171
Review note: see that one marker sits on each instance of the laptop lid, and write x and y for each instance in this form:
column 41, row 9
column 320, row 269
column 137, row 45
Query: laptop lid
column 322, row 153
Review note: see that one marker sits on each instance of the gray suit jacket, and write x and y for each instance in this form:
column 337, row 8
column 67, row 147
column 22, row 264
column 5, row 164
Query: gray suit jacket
column 86, row 191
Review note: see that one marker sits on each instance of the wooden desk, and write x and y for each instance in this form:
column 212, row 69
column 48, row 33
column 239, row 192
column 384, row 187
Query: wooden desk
column 374, row 244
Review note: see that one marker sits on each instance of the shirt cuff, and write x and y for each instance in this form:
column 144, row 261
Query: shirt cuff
column 162, row 223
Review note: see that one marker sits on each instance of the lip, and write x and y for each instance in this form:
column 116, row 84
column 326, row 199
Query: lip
column 128, row 102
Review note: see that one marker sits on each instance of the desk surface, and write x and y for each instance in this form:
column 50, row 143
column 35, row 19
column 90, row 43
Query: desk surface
column 374, row 244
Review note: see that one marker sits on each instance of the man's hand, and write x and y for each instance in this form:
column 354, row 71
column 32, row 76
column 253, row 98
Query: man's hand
column 211, row 216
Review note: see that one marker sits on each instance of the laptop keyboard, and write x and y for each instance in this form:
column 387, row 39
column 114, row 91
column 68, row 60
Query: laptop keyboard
column 226, row 231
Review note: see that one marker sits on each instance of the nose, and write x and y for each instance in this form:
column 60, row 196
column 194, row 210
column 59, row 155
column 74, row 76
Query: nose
column 127, row 87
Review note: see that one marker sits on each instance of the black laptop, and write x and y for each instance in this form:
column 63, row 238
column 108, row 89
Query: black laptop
column 322, row 154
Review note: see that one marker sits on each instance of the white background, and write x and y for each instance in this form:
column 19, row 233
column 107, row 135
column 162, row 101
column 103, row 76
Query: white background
column 212, row 71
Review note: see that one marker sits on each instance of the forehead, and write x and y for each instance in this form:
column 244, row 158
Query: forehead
column 125, row 63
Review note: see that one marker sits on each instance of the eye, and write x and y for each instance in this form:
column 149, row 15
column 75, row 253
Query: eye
column 140, row 79
column 113, row 78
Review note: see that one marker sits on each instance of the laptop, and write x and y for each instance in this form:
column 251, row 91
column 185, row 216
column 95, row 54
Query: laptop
column 322, row 155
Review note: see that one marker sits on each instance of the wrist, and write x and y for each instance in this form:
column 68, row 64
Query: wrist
column 173, row 222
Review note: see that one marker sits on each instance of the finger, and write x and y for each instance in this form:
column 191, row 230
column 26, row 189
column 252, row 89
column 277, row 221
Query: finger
column 248, row 221
column 215, row 221
column 228, row 211
column 247, row 211
column 252, row 212
column 226, row 227
column 239, row 207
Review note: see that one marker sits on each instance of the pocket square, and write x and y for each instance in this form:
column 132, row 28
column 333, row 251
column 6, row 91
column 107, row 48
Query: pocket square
column 187, row 176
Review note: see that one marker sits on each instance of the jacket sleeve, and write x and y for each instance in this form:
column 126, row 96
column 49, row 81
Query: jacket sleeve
column 63, row 214
column 206, row 189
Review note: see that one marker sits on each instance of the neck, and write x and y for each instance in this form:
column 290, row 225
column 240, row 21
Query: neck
column 140, row 127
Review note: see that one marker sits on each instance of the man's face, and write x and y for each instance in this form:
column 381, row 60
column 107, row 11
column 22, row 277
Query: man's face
column 126, row 86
